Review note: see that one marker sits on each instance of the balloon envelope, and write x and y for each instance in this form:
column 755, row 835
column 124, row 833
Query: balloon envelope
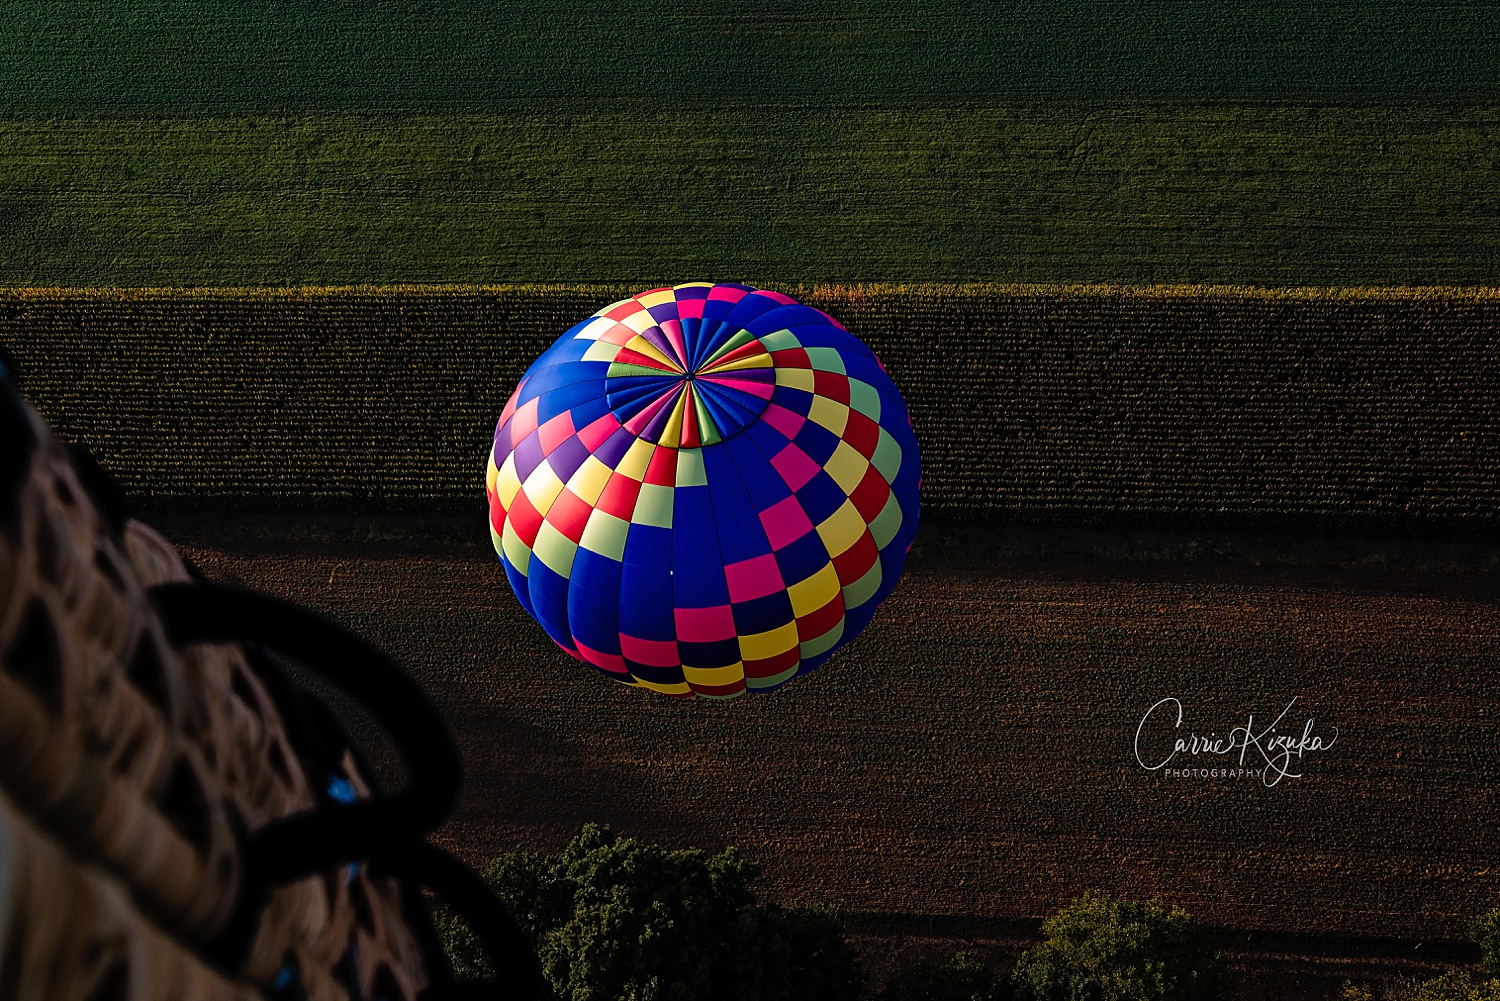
column 704, row 489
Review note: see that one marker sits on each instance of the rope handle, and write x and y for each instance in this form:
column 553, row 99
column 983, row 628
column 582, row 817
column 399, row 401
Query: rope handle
column 305, row 843
column 508, row 947
column 342, row 827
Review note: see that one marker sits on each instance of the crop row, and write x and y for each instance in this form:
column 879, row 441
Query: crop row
column 457, row 53
column 1127, row 192
column 1030, row 402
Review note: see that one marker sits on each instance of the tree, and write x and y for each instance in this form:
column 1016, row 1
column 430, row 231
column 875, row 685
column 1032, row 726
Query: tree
column 614, row 919
column 1101, row 949
column 1485, row 931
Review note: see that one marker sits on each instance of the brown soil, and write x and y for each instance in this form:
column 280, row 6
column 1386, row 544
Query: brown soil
column 967, row 765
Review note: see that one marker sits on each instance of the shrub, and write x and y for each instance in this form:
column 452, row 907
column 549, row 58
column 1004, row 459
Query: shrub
column 617, row 920
column 1485, row 932
column 1100, row 949
column 1456, row 986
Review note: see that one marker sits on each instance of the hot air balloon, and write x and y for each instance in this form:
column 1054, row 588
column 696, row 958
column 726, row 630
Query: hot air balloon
column 704, row 490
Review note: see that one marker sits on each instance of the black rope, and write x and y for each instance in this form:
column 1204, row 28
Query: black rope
column 305, row 843
column 337, row 831
column 510, row 951
column 385, row 830
column 17, row 442
column 106, row 494
column 8, row 368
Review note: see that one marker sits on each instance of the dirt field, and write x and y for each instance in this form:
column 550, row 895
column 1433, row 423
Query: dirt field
column 968, row 764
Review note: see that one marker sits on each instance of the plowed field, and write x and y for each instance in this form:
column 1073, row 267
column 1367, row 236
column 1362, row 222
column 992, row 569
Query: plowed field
column 972, row 754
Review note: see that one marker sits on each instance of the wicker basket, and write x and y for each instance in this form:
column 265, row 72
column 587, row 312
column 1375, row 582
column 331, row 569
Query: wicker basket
column 131, row 771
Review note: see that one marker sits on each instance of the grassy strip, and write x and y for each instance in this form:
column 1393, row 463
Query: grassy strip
column 1360, row 407
column 1297, row 194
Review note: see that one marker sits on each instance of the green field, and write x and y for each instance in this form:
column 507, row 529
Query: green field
column 167, row 143
column 1271, row 194
column 466, row 54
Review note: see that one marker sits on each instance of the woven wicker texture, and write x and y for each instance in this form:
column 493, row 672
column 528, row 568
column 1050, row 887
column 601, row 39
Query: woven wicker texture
column 71, row 931
column 128, row 768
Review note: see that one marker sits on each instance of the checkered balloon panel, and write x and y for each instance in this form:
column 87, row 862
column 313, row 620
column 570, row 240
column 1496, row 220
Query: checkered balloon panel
column 704, row 489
